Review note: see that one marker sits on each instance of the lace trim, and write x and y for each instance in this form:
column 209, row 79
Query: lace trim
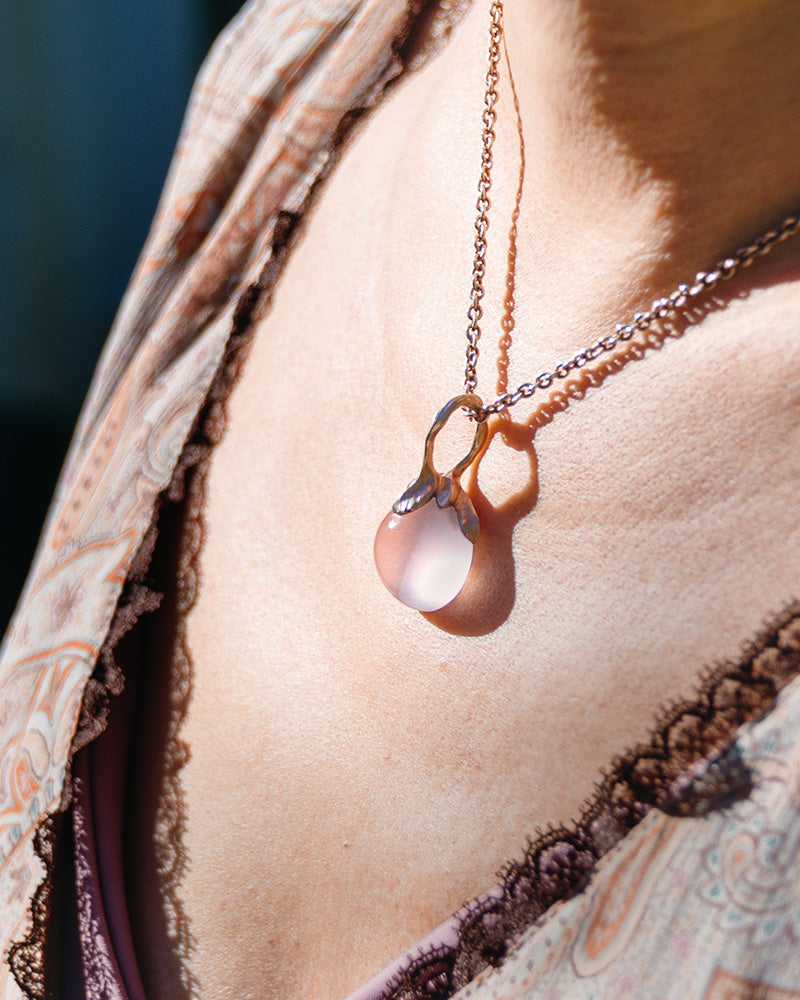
column 663, row 774
column 188, row 487
column 686, row 769
column 26, row 957
column 139, row 596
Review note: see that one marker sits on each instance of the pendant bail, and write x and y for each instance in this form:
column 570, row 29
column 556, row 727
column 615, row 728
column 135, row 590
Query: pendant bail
column 446, row 489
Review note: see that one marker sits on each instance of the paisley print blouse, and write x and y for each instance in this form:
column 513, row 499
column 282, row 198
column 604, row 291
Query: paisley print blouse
column 681, row 879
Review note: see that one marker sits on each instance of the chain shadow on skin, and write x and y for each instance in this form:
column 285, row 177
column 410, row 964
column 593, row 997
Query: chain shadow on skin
column 489, row 595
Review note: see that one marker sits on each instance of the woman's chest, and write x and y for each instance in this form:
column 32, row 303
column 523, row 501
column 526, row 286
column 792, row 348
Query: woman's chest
column 382, row 765
column 379, row 765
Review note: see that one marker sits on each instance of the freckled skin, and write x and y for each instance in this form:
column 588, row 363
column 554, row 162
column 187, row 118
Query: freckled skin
column 372, row 768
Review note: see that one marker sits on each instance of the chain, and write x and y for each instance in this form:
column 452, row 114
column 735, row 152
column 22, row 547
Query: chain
column 475, row 311
column 664, row 308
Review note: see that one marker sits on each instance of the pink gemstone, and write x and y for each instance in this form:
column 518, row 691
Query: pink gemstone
column 422, row 557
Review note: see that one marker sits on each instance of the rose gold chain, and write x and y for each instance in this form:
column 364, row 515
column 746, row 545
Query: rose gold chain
column 663, row 308
column 475, row 311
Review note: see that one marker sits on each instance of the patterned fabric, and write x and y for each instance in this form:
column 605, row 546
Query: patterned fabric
column 704, row 907
column 692, row 766
column 701, row 899
column 258, row 132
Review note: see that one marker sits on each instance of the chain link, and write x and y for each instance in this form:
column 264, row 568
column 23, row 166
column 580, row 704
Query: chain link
column 670, row 305
column 663, row 308
column 475, row 311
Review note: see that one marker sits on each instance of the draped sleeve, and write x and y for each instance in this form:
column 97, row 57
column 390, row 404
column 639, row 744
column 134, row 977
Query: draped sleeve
column 262, row 120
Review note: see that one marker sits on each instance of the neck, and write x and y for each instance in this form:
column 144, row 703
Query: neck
column 685, row 109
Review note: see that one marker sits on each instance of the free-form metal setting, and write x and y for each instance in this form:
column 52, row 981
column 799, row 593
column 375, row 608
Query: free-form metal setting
column 445, row 563
column 446, row 489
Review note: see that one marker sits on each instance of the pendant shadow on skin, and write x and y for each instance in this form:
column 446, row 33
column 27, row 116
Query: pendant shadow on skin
column 489, row 594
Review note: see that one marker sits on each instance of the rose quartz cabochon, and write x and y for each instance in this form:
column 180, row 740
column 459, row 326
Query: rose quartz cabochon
column 422, row 557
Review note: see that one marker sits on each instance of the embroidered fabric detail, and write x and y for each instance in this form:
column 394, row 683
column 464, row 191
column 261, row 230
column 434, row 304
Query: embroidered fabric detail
column 686, row 769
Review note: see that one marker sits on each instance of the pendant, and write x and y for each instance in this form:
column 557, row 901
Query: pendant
column 424, row 546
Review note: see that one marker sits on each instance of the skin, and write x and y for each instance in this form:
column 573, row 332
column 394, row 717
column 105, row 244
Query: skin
column 373, row 768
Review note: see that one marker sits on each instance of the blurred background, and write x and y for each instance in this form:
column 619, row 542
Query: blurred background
column 91, row 100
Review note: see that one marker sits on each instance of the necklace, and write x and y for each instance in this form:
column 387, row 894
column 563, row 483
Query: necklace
column 424, row 546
